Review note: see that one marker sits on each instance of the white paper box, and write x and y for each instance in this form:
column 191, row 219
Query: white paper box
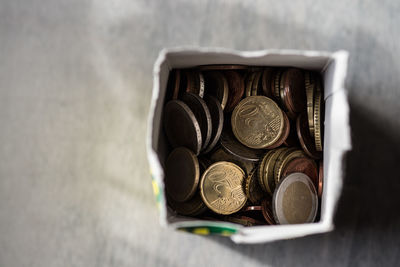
column 337, row 142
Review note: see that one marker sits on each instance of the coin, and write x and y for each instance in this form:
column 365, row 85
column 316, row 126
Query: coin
column 261, row 173
column 306, row 141
column 275, row 84
column 229, row 142
column 173, row 84
column 269, row 167
column 216, row 85
column 182, row 174
column 221, row 155
column 320, row 178
column 222, row 67
column 283, row 161
column 236, row 89
column 304, row 165
column 317, row 120
column 294, row 90
column 221, row 188
column 266, row 80
column 202, row 114
column 252, row 208
column 291, row 140
column 193, row 207
column 285, row 134
column 257, row 122
column 181, row 126
column 243, row 220
column 256, row 87
column 249, row 83
column 267, row 212
column 310, row 88
column 252, row 188
column 295, row 200
column 193, row 83
column 217, row 121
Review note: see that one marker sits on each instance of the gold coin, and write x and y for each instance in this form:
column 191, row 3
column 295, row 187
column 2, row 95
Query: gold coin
column 221, row 188
column 257, row 122
column 249, row 83
column 285, row 158
column 317, row 121
column 252, row 188
column 269, row 166
column 310, row 88
column 261, row 170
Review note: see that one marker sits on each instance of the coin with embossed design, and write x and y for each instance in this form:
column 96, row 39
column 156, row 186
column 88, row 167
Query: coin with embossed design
column 295, row 200
column 221, row 188
column 257, row 122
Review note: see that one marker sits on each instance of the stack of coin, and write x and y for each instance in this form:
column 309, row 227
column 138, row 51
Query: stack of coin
column 245, row 143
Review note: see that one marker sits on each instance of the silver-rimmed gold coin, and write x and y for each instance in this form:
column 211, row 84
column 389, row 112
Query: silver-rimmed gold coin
column 257, row 122
column 317, row 121
column 221, row 188
column 295, row 200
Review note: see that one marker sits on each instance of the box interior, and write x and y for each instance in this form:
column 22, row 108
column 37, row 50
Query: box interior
column 333, row 71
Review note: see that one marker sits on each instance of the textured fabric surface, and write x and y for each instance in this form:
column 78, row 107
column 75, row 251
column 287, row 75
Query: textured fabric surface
column 75, row 86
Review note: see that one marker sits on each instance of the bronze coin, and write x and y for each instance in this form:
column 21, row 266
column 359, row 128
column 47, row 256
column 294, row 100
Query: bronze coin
column 236, row 89
column 182, row 174
column 229, row 142
column 217, row 118
column 320, row 178
column 252, row 208
column 173, row 86
column 292, row 140
column 249, row 83
column 266, row 80
column 256, row 87
column 306, row 141
column 222, row 67
column 191, row 82
column 304, row 165
column 275, row 85
column 252, row 188
column 215, row 84
column 193, row 207
column 261, row 175
column 295, row 200
column 295, row 92
column 221, row 155
column 202, row 114
column 181, row 126
column 267, row 211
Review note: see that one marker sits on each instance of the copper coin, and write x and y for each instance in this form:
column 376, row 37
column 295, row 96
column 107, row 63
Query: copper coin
column 275, row 85
column 232, row 145
column 292, row 140
column 173, row 86
column 182, row 174
column 306, row 141
column 267, row 212
column 216, row 85
column 221, row 155
column 217, row 118
column 252, row 208
column 191, row 82
column 256, row 87
column 181, row 126
column 295, row 200
column 236, row 89
column 193, row 207
column 249, row 82
column 253, row 189
column 320, row 178
column 222, row 67
column 266, row 79
column 304, row 165
column 295, row 92
column 202, row 114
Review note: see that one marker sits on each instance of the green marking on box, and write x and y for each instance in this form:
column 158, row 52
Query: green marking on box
column 209, row 230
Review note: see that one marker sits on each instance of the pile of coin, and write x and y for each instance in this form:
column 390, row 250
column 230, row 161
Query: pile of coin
column 245, row 143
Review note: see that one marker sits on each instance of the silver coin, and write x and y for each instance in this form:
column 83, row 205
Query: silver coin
column 295, row 200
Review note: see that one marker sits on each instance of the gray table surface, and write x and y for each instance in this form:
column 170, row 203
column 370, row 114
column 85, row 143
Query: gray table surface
column 75, row 86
